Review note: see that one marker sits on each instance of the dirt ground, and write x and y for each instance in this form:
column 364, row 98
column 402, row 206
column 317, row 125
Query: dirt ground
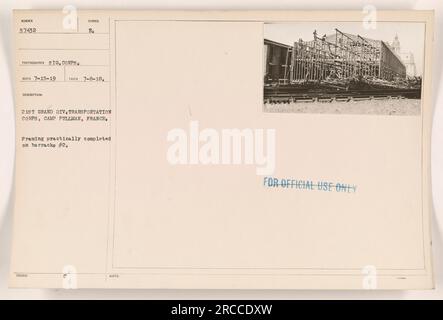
column 380, row 107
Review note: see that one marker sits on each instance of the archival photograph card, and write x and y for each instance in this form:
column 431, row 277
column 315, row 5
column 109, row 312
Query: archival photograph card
column 222, row 150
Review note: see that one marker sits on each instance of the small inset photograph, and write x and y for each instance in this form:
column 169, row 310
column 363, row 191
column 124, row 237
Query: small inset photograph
column 343, row 67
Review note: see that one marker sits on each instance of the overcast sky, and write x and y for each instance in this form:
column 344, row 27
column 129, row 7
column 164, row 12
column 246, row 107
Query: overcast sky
column 411, row 35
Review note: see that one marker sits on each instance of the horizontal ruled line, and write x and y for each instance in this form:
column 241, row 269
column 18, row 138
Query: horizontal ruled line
column 64, row 65
column 101, row 49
